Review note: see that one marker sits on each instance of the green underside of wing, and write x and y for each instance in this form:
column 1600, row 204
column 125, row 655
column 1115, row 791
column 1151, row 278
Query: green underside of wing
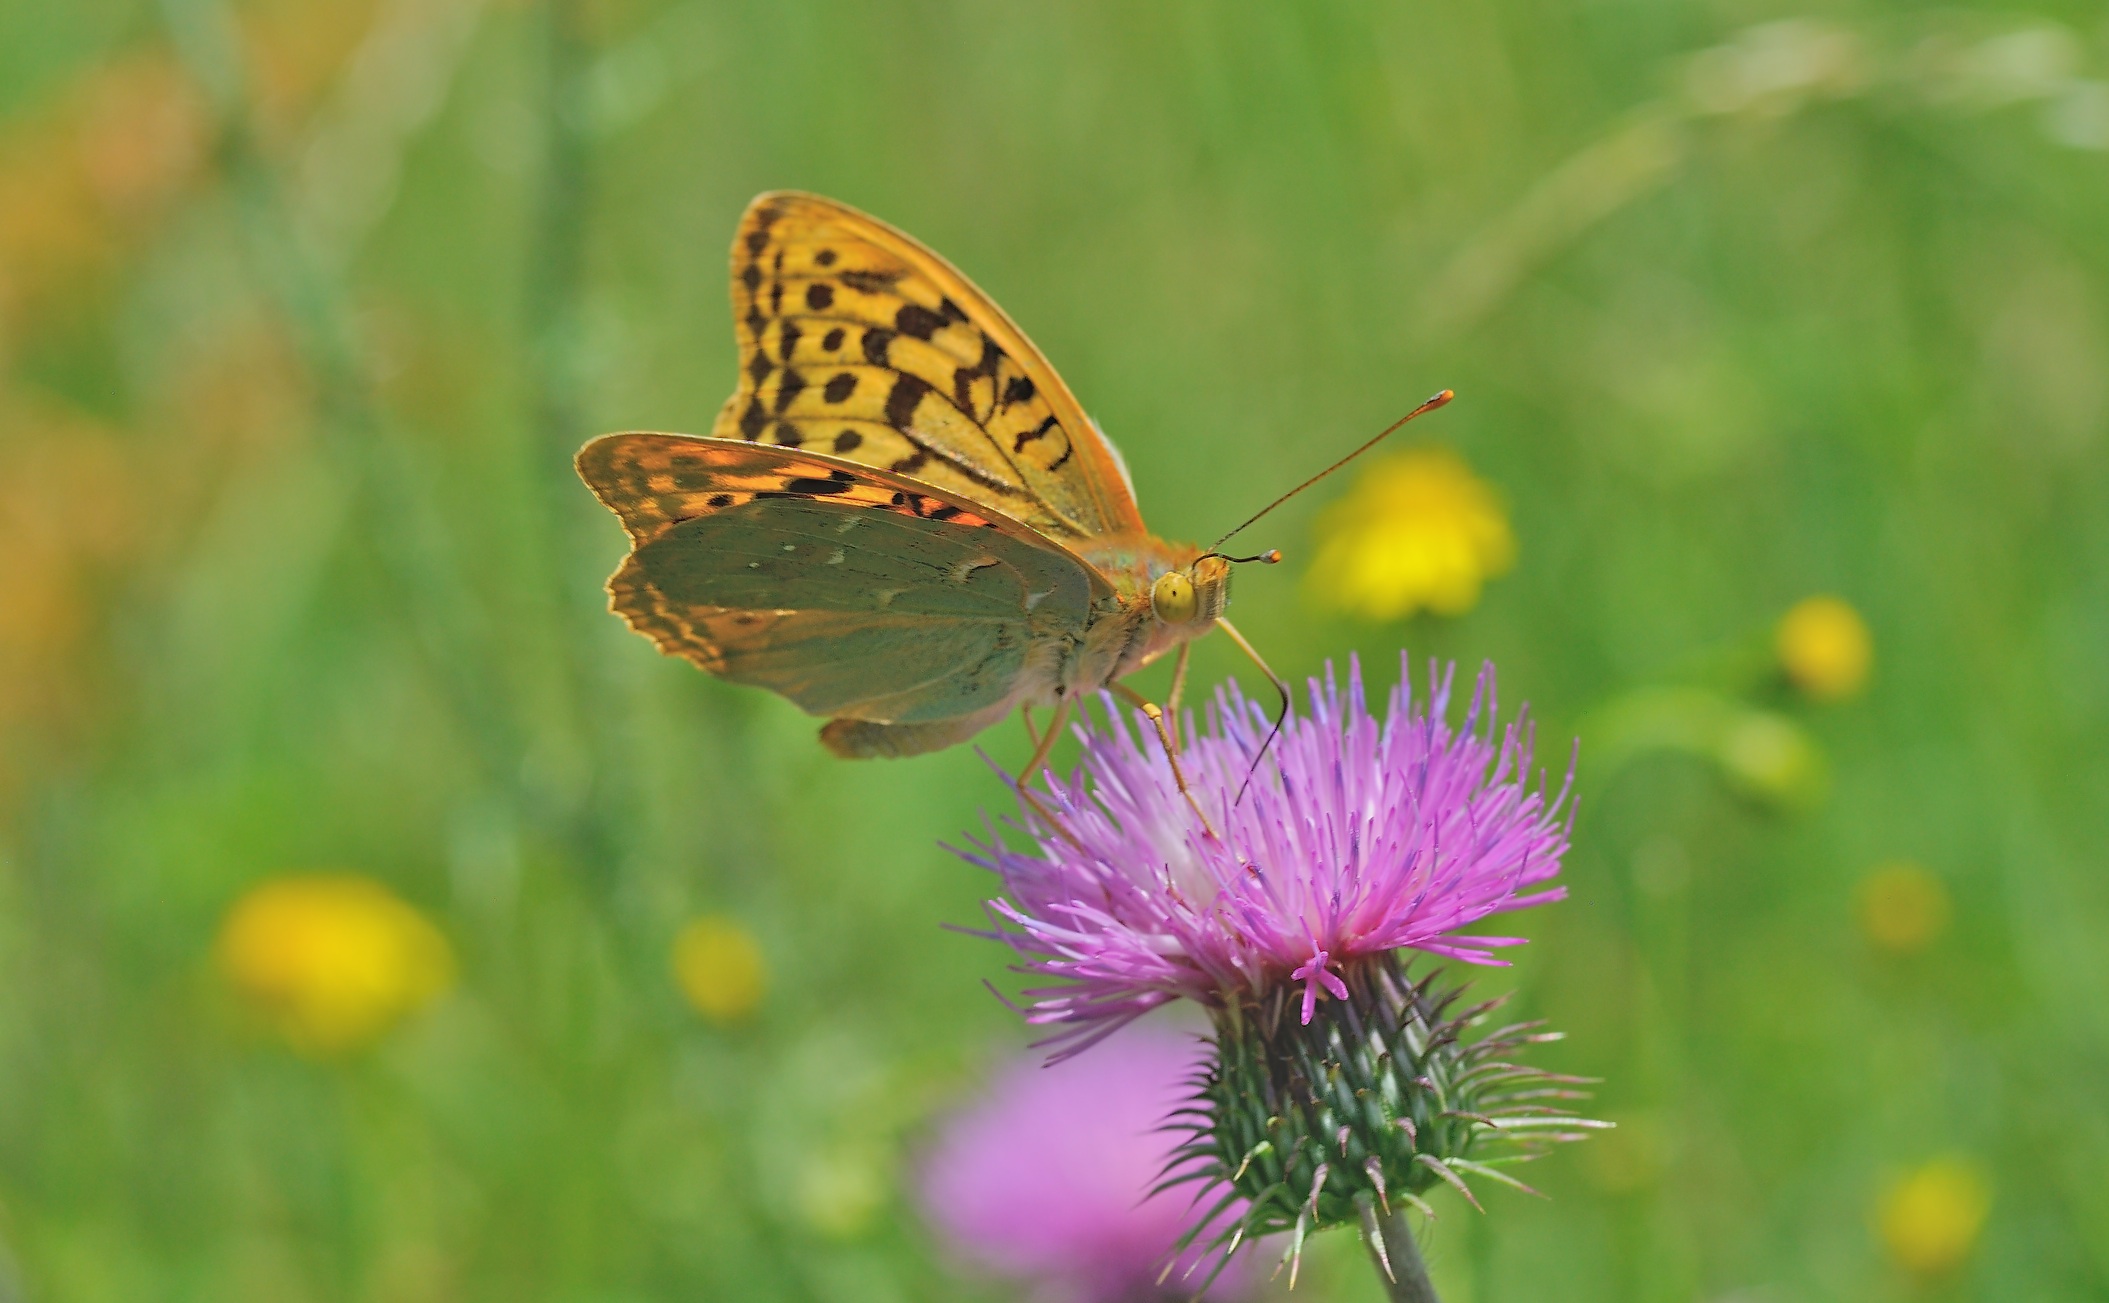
column 854, row 611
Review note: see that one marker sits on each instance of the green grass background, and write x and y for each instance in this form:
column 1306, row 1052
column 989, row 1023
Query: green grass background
column 301, row 579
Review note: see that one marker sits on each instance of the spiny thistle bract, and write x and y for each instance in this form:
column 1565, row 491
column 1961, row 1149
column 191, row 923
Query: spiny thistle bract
column 1372, row 1103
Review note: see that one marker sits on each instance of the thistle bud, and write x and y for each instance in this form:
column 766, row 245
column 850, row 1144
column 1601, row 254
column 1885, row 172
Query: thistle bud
column 1385, row 1094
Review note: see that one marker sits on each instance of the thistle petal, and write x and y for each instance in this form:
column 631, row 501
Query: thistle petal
column 1356, row 837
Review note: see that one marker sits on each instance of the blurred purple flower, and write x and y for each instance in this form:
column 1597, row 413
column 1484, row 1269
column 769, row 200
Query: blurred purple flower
column 1045, row 1178
column 1356, row 838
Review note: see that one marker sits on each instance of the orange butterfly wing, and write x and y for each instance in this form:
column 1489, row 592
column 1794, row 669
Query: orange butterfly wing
column 857, row 341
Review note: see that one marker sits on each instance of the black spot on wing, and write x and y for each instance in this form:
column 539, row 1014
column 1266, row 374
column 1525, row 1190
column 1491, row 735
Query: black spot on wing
column 871, row 282
column 807, row 486
column 826, row 257
column 820, row 297
column 832, row 340
column 751, row 277
column 963, row 378
column 786, row 340
column 788, row 388
column 840, row 387
column 876, row 342
column 754, row 420
column 847, row 441
column 760, row 367
column 917, row 321
column 907, row 392
column 1019, row 390
column 758, row 238
column 1037, row 432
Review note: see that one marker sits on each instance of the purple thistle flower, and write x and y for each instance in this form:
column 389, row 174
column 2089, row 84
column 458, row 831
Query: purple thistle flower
column 1048, row 1176
column 1355, row 838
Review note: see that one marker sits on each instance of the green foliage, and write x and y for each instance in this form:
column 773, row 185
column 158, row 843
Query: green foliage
column 305, row 306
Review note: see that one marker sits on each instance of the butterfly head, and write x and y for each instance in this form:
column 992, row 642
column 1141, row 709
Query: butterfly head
column 1195, row 593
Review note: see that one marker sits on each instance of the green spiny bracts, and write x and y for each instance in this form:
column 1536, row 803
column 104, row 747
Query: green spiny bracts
column 1371, row 1104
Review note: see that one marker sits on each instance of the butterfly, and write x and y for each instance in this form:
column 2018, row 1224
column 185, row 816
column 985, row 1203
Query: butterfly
column 903, row 520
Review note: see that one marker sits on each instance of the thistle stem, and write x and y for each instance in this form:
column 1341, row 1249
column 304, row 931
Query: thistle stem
column 1407, row 1279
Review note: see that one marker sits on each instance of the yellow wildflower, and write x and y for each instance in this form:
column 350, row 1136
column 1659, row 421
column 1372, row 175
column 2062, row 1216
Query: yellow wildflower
column 1930, row 1217
column 332, row 960
column 1825, row 649
column 718, row 965
column 1903, row 908
column 1418, row 530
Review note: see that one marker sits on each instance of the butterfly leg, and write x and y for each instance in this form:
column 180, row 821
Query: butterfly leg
column 1171, row 751
column 1171, row 698
column 1025, row 713
column 1043, row 744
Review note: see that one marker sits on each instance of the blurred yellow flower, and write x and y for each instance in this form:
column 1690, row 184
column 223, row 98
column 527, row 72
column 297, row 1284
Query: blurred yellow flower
column 1903, row 907
column 1930, row 1217
column 1418, row 530
column 332, row 960
column 1825, row 649
column 718, row 965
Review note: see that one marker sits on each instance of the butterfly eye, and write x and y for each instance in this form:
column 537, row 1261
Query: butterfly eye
column 1172, row 598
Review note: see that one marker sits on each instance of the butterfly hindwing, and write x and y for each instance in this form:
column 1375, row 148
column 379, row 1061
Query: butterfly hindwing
column 857, row 341
column 851, row 591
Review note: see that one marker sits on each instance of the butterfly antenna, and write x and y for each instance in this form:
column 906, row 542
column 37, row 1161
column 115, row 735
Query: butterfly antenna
column 1425, row 408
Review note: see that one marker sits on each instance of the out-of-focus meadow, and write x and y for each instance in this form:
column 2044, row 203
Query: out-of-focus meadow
column 379, row 920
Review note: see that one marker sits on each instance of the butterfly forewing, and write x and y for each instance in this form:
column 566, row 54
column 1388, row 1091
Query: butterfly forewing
column 858, row 342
